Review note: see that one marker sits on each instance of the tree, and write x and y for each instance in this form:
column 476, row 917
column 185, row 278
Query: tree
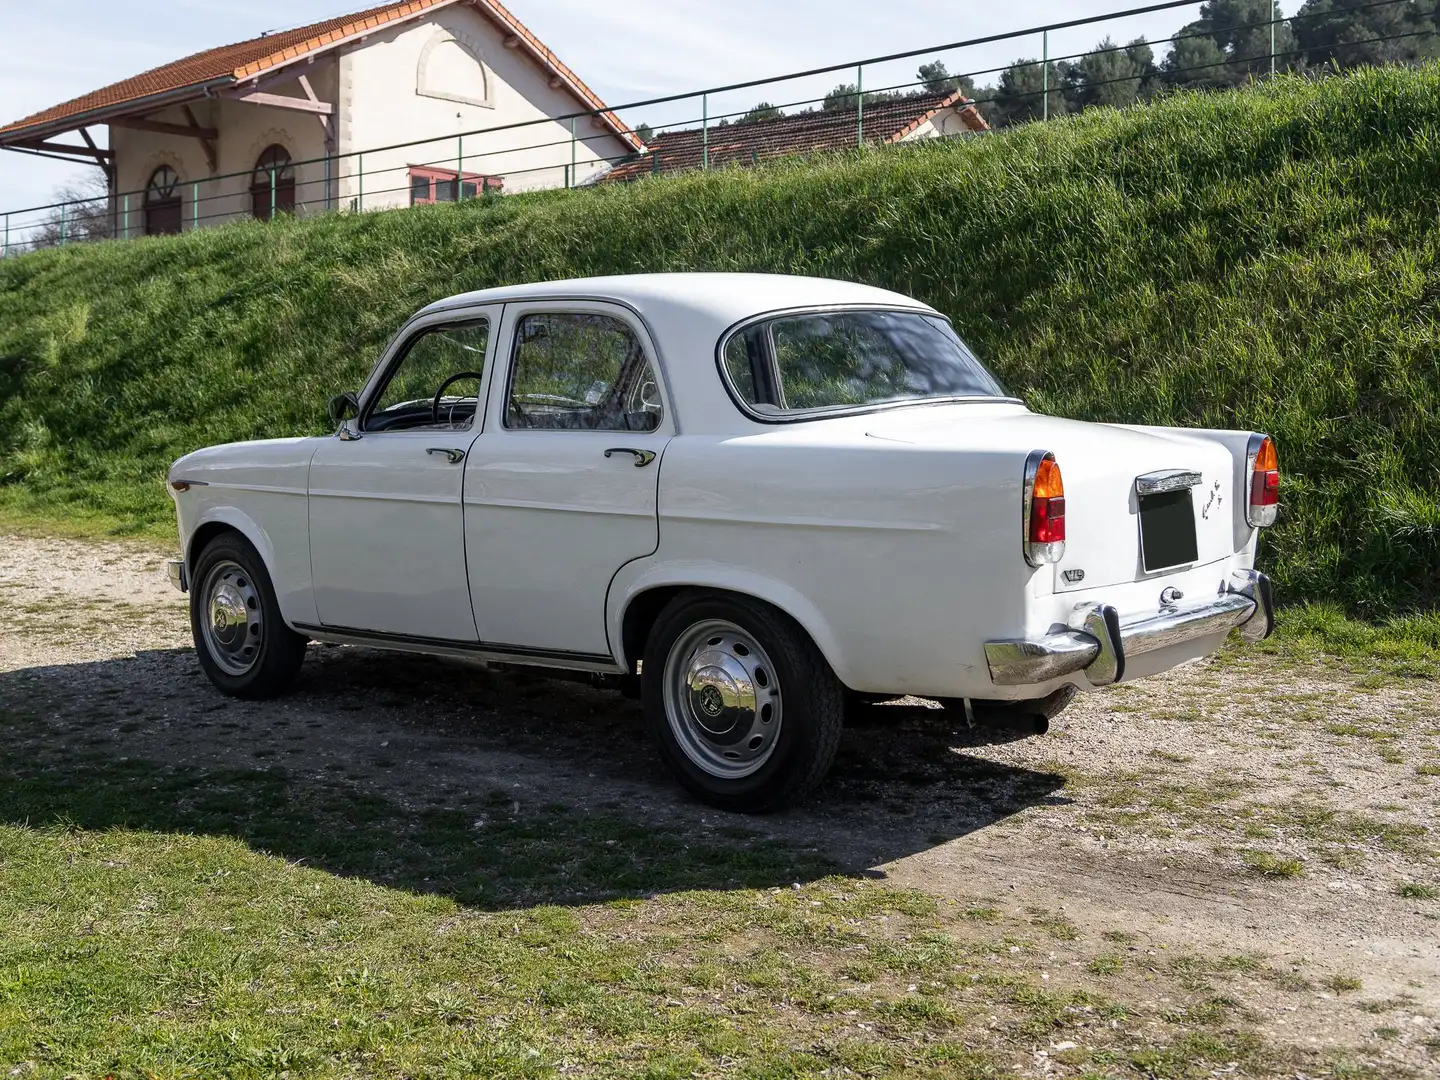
column 86, row 216
column 1344, row 32
column 937, row 80
column 1230, row 44
column 645, row 133
column 762, row 111
column 1111, row 75
column 1021, row 94
column 844, row 97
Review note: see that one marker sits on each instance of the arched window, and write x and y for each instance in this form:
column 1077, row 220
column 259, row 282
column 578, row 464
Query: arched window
column 272, row 186
column 162, row 202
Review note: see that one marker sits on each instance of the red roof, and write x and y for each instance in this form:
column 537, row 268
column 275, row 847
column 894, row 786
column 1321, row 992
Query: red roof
column 801, row 133
column 188, row 78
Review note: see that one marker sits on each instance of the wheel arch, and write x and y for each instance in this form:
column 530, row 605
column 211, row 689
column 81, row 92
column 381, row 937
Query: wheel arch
column 639, row 603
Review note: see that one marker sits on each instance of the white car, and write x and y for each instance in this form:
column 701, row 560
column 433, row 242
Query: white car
column 757, row 501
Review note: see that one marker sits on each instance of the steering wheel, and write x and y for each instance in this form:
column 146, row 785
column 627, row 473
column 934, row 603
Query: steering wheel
column 435, row 404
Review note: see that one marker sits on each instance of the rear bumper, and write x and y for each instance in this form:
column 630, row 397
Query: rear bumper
column 1098, row 642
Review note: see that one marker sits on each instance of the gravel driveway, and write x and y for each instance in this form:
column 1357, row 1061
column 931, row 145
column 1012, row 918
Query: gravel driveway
column 1244, row 805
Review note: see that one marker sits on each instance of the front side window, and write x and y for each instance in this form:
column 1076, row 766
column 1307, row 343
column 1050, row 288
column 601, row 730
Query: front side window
column 852, row 359
column 436, row 385
column 581, row 372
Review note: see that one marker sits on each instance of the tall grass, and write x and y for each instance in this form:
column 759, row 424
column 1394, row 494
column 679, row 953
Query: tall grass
column 1257, row 259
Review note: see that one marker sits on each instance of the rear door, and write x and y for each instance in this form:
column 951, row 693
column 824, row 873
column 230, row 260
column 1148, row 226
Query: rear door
column 561, row 489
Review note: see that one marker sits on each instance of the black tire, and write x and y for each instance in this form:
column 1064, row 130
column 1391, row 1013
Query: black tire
column 278, row 651
column 810, row 721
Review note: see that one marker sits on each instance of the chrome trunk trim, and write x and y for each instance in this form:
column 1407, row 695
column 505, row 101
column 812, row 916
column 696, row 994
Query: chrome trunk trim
column 1157, row 483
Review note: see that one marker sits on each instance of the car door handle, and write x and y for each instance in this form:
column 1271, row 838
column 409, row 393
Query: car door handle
column 454, row 456
column 642, row 457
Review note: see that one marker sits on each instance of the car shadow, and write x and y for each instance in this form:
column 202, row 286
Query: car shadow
column 499, row 788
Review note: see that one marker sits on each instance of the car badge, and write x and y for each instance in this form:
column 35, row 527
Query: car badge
column 1074, row 577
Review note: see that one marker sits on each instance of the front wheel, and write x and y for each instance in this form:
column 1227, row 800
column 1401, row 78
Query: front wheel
column 241, row 640
column 744, row 707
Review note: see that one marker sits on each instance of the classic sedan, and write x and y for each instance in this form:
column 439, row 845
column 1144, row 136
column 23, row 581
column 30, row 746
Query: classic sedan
column 758, row 502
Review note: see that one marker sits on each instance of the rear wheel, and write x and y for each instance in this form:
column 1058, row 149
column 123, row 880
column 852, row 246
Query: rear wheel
column 241, row 639
column 745, row 709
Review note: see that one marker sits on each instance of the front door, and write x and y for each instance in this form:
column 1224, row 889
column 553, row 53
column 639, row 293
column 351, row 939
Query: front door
column 560, row 491
column 387, row 536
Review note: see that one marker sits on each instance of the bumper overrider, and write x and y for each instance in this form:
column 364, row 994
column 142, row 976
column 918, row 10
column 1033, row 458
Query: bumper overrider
column 1098, row 642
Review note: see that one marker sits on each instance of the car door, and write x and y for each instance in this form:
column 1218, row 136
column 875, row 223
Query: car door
column 387, row 534
column 561, row 490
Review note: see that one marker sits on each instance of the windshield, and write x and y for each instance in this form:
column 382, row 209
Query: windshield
column 850, row 359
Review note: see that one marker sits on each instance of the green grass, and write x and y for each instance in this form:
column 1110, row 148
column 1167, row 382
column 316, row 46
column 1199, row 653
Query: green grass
column 1267, row 864
column 1265, row 259
column 165, row 921
column 1395, row 645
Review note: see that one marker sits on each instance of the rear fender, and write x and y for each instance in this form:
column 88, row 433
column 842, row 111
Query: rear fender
column 636, row 579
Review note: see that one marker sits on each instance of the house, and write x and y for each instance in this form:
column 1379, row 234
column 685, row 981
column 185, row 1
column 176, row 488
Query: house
column 896, row 120
column 326, row 116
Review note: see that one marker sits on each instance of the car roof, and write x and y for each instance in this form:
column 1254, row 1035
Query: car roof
column 722, row 298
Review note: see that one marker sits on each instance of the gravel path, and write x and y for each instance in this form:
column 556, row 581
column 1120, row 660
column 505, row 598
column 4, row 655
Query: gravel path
column 1242, row 805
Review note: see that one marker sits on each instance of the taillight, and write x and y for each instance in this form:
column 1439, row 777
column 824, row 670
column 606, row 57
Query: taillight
column 1044, row 525
column 1264, row 482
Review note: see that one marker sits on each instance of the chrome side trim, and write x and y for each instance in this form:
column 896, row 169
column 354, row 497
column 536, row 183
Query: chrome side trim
column 179, row 574
column 479, row 650
column 1157, row 483
column 1098, row 642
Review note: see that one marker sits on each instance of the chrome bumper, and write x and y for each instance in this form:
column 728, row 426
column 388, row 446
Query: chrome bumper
column 1097, row 642
column 179, row 575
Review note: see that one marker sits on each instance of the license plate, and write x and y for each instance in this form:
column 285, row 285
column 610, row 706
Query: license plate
column 1167, row 530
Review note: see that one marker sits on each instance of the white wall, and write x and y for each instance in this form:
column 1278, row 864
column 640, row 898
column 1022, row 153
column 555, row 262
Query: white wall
column 944, row 124
column 245, row 131
column 382, row 102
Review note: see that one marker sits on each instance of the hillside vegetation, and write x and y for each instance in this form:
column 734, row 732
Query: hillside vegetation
column 1265, row 258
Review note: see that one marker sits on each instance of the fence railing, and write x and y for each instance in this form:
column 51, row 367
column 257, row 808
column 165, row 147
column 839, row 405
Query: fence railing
column 560, row 152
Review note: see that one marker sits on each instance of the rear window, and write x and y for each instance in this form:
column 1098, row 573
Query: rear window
column 800, row 364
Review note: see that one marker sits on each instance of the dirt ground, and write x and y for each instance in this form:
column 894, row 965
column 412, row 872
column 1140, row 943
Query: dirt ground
column 1245, row 805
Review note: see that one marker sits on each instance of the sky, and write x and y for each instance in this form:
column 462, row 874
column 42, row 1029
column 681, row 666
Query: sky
column 626, row 51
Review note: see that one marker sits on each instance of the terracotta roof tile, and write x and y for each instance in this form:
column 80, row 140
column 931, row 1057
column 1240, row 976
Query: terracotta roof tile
column 800, row 133
column 250, row 59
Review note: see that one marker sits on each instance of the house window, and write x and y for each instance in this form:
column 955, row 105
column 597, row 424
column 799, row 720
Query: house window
column 272, row 184
column 162, row 202
column 429, row 185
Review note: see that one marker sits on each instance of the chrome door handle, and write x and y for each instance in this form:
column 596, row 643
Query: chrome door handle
column 454, row 456
column 642, row 457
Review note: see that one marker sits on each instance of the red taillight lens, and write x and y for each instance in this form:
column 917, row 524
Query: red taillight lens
column 1264, row 483
column 1044, row 510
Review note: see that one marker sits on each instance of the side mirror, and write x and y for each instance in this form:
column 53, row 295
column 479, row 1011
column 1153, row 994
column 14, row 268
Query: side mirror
column 344, row 407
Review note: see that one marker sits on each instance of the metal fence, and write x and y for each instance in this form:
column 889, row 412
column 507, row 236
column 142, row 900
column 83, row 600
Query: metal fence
column 492, row 161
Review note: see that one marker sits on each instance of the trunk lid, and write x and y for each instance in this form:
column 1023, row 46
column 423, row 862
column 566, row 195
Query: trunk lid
column 1100, row 464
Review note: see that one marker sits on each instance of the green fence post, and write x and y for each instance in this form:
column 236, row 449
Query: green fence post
column 360, row 167
column 194, row 206
column 571, row 175
column 64, row 225
column 705, row 131
column 125, row 217
column 459, row 167
column 272, row 193
column 1273, row 6
column 6, row 252
column 1045, row 73
column 860, row 102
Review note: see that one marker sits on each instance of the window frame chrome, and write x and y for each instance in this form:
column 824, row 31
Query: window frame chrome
column 800, row 416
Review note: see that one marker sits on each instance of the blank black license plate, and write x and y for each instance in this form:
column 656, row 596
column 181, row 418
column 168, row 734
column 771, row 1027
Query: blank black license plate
column 1167, row 530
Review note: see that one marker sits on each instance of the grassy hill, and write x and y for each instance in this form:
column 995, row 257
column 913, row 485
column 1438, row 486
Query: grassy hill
column 1259, row 259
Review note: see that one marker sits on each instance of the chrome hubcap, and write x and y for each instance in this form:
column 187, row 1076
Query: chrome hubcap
column 231, row 621
column 722, row 699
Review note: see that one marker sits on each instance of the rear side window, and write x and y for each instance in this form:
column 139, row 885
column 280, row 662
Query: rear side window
column 844, row 360
column 581, row 372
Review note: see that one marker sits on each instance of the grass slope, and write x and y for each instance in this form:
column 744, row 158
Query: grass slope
column 1258, row 259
